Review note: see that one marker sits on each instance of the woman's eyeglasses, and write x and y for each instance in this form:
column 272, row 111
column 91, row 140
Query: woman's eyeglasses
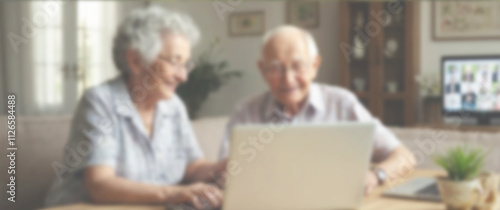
column 188, row 66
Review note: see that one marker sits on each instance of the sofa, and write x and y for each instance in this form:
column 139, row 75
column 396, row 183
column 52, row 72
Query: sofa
column 41, row 140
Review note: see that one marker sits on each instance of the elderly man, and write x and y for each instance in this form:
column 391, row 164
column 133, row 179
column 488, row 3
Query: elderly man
column 288, row 65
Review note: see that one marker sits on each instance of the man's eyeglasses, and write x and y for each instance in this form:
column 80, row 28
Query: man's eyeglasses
column 277, row 69
column 188, row 66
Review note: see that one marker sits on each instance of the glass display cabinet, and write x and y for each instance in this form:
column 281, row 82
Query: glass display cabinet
column 379, row 55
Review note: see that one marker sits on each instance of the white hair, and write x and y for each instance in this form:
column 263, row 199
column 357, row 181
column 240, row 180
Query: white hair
column 310, row 42
column 142, row 30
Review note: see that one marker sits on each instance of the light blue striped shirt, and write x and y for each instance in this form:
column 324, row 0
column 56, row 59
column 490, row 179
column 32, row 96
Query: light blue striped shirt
column 325, row 104
column 107, row 130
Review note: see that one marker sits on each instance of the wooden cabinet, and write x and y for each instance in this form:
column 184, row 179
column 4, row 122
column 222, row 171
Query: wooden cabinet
column 379, row 57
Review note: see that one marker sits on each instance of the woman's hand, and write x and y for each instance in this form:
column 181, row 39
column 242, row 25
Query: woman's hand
column 204, row 171
column 221, row 165
column 219, row 173
column 202, row 196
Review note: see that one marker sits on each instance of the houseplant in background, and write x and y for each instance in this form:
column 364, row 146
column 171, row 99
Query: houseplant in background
column 430, row 101
column 429, row 84
column 465, row 187
column 208, row 76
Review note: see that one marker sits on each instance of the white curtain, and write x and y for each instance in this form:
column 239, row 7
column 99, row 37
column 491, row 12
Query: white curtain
column 16, row 55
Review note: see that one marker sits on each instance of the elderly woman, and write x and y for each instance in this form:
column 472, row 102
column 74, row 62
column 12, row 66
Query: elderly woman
column 131, row 140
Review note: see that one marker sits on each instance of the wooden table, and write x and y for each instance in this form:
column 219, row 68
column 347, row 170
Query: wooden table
column 373, row 202
column 464, row 128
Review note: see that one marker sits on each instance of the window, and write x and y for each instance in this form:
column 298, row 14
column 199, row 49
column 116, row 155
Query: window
column 47, row 59
column 67, row 62
column 96, row 26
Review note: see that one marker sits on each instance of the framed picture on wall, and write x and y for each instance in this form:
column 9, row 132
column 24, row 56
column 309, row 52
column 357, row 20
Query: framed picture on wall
column 303, row 13
column 455, row 20
column 246, row 23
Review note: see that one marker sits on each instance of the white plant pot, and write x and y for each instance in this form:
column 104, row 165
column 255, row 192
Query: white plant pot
column 459, row 195
column 490, row 199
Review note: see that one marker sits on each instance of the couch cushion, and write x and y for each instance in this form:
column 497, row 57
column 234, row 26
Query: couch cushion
column 209, row 132
column 426, row 143
column 40, row 142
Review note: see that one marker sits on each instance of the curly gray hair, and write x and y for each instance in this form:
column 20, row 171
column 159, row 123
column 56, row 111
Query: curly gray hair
column 142, row 31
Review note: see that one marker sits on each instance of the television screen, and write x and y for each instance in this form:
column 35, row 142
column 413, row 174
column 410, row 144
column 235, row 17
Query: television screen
column 471, row 84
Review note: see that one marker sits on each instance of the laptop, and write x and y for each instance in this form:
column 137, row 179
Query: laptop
column 314, row 166
column 421, row 188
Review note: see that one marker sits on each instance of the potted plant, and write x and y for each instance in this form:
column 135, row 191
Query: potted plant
column 208, row 76
column 462, row 188
column 429, row 85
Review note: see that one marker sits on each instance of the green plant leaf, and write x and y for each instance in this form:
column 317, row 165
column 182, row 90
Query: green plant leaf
column 207, row 76
column 462, row 163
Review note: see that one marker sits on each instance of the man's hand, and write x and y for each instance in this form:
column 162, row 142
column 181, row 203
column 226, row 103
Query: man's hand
column 202, row 196
column 371, row 182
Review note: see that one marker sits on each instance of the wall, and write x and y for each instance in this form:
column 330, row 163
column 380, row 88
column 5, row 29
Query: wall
column 242, row 52
column 432, row 51
column 2, row 69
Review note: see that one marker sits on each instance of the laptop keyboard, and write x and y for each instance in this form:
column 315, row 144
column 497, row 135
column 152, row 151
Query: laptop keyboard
column 431, row 189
